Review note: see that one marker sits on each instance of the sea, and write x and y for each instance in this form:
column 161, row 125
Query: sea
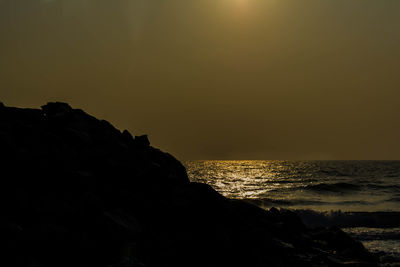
column 362, row 197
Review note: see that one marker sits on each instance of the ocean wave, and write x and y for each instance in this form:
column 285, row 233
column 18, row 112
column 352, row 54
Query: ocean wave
column 335, row 173
column 378, row 219
column 340, row 187
column 290, row 181
column 367, row 234
column 335, row 187
column 391, row 187
column 394, row 199
column 269, row 202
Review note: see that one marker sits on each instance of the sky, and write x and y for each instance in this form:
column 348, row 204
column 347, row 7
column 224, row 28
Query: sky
column 216, row 79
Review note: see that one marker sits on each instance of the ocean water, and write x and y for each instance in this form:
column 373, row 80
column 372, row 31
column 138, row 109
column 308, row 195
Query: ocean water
column 363, row 197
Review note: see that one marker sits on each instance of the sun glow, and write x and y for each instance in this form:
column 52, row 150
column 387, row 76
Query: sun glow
column 243, row 5
column 250, row 9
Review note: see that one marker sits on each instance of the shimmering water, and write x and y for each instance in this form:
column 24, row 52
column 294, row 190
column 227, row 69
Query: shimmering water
column 315, row 186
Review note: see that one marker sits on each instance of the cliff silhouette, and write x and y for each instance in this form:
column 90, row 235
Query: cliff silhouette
column 78, row 192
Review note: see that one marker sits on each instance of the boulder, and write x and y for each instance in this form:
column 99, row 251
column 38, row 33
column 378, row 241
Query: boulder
column 142, row 141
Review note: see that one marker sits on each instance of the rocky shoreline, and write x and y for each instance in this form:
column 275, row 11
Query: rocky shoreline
column 78, row 192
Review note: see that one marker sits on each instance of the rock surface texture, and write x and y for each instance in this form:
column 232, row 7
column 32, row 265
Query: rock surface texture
column 78, row 192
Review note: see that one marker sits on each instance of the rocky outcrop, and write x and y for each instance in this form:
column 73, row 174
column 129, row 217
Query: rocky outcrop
column 78, row 192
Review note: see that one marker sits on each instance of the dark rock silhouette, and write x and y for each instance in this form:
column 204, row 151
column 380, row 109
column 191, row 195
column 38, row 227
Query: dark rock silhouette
column 78, row 192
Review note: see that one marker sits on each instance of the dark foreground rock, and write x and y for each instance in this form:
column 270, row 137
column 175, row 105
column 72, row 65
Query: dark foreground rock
column 78, row 192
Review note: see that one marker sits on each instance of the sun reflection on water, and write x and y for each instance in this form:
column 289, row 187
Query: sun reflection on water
column 302, row 184
column 242, row 178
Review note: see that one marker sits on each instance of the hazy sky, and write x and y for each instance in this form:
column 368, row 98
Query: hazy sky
column 216, row 79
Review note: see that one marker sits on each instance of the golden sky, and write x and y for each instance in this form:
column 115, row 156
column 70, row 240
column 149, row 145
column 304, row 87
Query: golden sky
column 216, row 79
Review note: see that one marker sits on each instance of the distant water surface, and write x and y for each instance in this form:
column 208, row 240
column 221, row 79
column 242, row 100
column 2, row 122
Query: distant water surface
column 317, row 185
column 314, row 188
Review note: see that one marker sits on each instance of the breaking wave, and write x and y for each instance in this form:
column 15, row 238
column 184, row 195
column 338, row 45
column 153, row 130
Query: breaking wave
column 379, row 219
column 335, row 187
